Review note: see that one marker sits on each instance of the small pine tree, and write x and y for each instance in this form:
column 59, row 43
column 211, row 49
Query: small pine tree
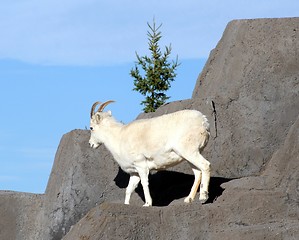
column 157, row 70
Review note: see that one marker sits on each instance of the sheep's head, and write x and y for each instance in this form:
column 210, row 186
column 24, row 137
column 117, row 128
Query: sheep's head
column 97, row 119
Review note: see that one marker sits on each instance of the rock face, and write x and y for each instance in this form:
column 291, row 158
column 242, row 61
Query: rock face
column 78, row 181
column 252, row 78
column 20, row 215
column 249, row 91
column 263, row 207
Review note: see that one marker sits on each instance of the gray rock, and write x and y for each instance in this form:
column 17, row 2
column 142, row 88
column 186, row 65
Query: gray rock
column 252, row 78
column 20, row 215
column 80, row 179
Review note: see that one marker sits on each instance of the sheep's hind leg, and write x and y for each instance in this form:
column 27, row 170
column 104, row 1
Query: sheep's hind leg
column 197, row 179
column 133, row 182
column 206, row 174
column 202, row 164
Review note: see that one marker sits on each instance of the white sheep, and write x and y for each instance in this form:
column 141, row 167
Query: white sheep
column 154, row 144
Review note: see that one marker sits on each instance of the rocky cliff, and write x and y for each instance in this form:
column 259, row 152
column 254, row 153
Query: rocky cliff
column 249, row 91
column 262, row 207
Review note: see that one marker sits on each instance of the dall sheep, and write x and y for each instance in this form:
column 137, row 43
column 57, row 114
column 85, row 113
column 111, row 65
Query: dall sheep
column 154, row 144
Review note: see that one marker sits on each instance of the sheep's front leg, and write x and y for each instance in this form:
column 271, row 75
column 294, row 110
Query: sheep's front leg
column 133, row 182
column 143, row 173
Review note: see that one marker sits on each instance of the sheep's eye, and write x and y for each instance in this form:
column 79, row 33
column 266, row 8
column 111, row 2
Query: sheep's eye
column 91, row 128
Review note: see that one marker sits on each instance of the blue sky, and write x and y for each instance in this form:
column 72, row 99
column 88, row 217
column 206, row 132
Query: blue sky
column 59, row 56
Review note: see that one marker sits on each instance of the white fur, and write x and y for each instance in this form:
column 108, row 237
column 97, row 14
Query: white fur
column 155, row 144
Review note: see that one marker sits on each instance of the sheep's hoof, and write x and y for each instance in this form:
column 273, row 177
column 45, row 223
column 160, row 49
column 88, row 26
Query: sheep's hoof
column 188, row 200
column 147, row 205
column 203, row 197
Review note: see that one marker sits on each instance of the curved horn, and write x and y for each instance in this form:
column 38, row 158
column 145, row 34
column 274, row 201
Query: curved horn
column 101, row 108
column 92, row 112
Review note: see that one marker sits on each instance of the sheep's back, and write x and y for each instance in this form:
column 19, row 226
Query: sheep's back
column 165, row 129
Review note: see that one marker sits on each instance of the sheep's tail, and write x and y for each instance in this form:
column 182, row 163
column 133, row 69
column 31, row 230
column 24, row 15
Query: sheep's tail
column 205, row 124
column 205, row 132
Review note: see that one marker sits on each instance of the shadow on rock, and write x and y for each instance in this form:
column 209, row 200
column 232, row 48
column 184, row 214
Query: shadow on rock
column 167, row 186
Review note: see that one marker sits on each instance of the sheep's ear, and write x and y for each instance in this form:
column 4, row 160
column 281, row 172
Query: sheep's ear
column 109, row 113
column 98, row 118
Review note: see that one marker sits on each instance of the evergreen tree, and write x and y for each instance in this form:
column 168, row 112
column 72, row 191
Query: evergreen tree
column 156, row 73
